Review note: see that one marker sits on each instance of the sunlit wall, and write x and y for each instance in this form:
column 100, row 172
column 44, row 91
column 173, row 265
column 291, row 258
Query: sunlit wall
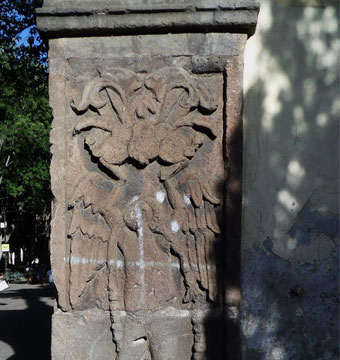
column 291, row 184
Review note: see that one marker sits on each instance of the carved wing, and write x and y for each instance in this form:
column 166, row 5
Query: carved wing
column 94, row 215
column 193, row 206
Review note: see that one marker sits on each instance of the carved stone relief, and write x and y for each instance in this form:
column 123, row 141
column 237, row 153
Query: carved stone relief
column 144, row 226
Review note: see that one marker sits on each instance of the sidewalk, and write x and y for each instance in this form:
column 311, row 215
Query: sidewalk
column 25, row 322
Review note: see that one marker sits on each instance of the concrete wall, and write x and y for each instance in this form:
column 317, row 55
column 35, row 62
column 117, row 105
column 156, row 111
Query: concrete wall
column 291, row 167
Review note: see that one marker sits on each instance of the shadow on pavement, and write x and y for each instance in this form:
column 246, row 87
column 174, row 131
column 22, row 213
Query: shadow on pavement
column 25, row 321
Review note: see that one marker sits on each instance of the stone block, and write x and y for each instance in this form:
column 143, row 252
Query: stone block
column 82, row 335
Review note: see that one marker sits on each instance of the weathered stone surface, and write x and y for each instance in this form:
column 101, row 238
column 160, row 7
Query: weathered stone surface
column 140, row 188
column 153, row 335
column 139, row 164
column 65, row 18
column 141, row 191
column 82, row 335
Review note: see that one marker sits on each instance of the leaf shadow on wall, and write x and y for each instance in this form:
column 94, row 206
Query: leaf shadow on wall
column 291, row 210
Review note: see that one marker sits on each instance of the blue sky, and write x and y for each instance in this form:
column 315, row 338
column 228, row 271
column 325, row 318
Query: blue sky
column 21, row 38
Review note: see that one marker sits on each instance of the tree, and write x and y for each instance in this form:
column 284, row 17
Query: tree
column 25, row 119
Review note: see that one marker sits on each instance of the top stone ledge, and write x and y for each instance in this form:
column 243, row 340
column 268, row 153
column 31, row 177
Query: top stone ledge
column 58, row 18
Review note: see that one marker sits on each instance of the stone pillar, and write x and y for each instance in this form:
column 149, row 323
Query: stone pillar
column 146, row 176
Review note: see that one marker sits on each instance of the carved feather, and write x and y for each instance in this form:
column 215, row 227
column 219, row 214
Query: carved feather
column 94, row 216
column 87, row 258
column 194, row 210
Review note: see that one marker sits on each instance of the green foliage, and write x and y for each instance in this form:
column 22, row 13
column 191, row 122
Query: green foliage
column 25, row 119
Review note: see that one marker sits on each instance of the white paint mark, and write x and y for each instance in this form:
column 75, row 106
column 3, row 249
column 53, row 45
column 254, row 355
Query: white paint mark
column 174, row 226
column 173, row 312
column 140, row 263
column 134, row 199
column 186, row 199
column 75, row 260
column 175, row 266
column 118, row 263
column 139, row 341
column 160, row 196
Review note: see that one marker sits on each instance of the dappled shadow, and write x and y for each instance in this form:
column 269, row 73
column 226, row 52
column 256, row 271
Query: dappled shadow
column 25, row 321
column 222, row 329
column 291, row 209
column 214, row 322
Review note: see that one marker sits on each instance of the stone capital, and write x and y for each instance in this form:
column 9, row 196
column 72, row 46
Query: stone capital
column 58, row 18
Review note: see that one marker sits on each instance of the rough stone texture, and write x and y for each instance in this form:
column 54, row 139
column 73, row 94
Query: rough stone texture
column 143, row 163
column 291, row 186
column 82, row 335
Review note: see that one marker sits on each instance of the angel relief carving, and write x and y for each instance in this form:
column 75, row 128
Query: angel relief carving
column 144, row 226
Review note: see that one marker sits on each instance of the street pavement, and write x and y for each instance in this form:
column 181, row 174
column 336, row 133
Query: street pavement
column 25, row 322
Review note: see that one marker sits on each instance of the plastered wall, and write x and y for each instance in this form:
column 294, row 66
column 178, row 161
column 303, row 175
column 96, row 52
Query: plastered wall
column 291, row 189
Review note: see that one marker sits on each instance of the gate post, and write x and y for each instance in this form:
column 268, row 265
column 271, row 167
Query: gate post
column 147, row 176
